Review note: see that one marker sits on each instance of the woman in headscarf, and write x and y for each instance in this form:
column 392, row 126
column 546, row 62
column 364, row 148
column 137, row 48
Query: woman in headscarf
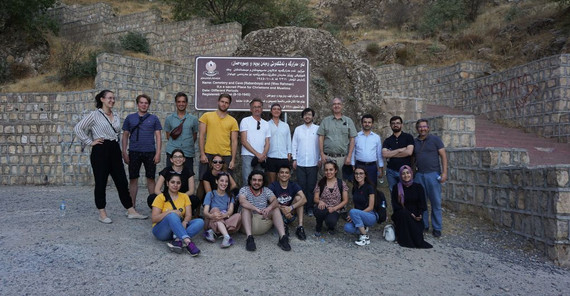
column 408, row 203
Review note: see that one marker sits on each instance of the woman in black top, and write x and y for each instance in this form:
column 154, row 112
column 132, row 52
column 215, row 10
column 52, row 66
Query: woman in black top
column 363, row 215
column 408, row 203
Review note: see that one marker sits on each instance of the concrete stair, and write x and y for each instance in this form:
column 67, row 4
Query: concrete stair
column 541, row 151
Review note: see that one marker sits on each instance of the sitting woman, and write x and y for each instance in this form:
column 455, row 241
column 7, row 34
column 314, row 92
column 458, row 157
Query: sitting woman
column 363, row 215
column 217, row 166
column 219, row 212
column 408, row 203
column 331, row 195
column 171, row 214
column 186, row 174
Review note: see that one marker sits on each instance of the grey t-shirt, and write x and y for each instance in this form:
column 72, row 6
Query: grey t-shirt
column 427, row 155
column 261, row 201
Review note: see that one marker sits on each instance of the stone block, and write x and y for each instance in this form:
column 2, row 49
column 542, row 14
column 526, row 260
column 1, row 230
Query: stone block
column 562, row 203
column 557, row 177
column 507, row 219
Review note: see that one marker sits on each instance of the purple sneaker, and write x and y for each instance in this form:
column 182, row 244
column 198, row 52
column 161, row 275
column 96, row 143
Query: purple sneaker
column 192, row 249
column 227, row 242
column 175, row 246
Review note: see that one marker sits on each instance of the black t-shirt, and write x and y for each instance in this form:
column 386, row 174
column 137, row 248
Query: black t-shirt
column 208, row 176
column 393, row 143
column 361, row 195
column 185, row 174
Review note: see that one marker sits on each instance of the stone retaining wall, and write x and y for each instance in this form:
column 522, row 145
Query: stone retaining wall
column 497, row 184
column 534, row 96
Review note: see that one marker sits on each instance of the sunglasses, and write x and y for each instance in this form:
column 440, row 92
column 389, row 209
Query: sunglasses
column 258, row 125
column 218, row 161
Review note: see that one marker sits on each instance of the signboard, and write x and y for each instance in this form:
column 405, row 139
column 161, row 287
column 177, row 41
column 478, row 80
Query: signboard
column 281, row 80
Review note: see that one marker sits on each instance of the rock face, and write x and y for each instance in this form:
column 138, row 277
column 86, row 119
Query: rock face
column 334, row 71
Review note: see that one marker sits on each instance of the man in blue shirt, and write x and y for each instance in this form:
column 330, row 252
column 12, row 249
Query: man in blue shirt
column 368, row 150
column 291, row 200
column 142, row 130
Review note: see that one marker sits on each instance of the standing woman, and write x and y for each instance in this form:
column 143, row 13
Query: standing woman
column 363, row 215
column 408, row 203
column 172, row 214
column 100, row 129
column 279, row 153
column 331, row 200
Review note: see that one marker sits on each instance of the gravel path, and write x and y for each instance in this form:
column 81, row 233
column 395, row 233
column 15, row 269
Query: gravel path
column 45, row 254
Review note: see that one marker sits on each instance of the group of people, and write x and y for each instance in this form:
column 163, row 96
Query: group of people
column 335, row 150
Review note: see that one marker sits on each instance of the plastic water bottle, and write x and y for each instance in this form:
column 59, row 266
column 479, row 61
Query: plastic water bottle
column 384, row 204
column 439, row 177
column 381, row 180
column 62, row 208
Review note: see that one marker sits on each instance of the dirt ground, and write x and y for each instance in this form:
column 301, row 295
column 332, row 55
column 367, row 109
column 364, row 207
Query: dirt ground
column 46, row 254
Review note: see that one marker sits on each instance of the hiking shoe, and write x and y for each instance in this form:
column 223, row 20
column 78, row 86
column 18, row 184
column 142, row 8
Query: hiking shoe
column 283, row 243
column 436, row 233
column 192, row 249
column 317, row 234
column 332, row 231
column 363, row 240
column 301, row 233
column 210, row 236
column 227, row 242
column 175, row 246
column 250, row 244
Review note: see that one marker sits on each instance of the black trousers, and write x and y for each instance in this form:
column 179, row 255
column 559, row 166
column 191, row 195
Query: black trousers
column 106, row 160
column 330, row 219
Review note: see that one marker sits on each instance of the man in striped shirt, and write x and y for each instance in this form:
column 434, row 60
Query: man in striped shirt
column 141, row 131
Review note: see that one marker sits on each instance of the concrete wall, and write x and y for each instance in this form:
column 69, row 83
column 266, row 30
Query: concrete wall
column 534, row 96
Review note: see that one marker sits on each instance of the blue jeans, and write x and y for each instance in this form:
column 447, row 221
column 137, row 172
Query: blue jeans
column 246, row 168
column 359, row 219
column 432, row 188
column 170, row 224
column 307, row 179
column 393, row 178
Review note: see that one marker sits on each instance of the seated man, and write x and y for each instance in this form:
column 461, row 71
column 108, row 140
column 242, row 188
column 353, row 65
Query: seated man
column 291, row 200
column 259, row 211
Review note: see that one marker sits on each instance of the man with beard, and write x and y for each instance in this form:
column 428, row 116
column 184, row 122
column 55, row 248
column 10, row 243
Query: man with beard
column 306, row 158
column 368, row 150
column 218, row 135
column 186, row 139
column 254, row 137
column 291, row 200
column 428, row 150
column 140, row 132
column 398, row 150
column 259, row 211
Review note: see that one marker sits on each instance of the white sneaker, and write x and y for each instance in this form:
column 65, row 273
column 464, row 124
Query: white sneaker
column 209, row 235
column 363, row 240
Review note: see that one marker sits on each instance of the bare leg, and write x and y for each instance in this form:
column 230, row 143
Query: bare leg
column 246, row 220
column 222, row 228
column 277, row 221
column 133, row 189
column 300, row 211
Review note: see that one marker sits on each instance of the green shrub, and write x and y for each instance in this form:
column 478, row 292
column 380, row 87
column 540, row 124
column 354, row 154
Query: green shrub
column 373, row 48
column 75, row 62
column 443, row 13
column 135, row 41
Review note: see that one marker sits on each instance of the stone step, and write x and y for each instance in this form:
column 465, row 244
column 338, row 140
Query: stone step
column 542, row 151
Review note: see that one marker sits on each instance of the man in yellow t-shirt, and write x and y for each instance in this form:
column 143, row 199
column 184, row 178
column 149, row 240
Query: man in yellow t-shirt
column 218, row 135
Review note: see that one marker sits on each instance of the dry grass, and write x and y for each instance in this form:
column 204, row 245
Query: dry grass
column 128, row 7
column 46, row 83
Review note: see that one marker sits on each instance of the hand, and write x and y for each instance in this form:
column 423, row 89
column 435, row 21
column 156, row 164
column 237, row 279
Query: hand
column 231, row 165
column 97, row 142
column 347, row 160
column 156, row 158
column 324, row 158
column 265, row 212
column 203, row 158
column 380, row 172
column 184, row 224
column 321, row 205
column 319, row 163
column 126, row 157
column 348, row 219
column 294, row 164
column 331, row 210
column 262, row 157
column 419, row 218
column 443, row 178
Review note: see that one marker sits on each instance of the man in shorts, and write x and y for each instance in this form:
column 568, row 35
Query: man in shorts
column 259, row 211
column 291, row 199
column 141, row 131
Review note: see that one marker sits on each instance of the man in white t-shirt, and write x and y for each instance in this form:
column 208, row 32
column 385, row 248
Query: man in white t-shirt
column 254, row 137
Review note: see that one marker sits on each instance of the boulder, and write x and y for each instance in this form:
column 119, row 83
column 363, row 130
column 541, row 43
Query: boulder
column 334, row 71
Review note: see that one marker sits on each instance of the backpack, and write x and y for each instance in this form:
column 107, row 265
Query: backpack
column 380, row 206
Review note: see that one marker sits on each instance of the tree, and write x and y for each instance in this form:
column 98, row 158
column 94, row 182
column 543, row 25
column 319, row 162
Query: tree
column 251, row 14
column 28, row 15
